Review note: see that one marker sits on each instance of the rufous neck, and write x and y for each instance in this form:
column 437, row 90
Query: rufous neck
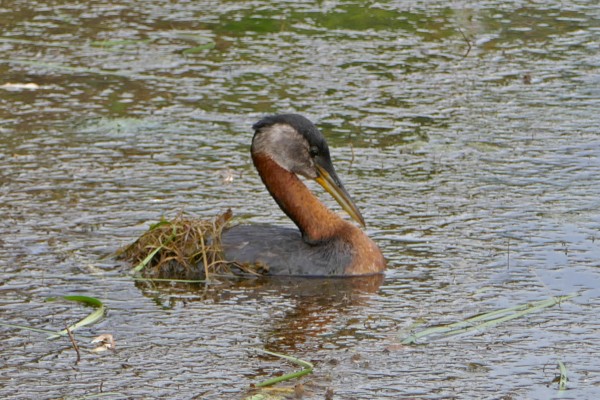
column 316, row 222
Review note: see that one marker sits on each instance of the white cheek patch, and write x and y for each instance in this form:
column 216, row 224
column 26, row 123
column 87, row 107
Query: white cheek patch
column 288, row 148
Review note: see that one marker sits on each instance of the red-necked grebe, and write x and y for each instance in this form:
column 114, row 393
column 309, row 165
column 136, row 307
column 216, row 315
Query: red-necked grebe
column 285, row 146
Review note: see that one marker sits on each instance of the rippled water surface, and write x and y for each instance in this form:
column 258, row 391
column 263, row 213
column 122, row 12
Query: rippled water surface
column 467, row 132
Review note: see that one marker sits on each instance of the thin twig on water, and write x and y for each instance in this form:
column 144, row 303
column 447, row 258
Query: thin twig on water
column 466, row 40
column 72, row 338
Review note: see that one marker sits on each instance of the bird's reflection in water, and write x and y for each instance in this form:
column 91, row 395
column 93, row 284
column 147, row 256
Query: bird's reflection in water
column 319, row 305
column 303, row 308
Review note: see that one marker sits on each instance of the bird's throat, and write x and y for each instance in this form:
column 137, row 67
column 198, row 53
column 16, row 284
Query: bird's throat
column 316, row 222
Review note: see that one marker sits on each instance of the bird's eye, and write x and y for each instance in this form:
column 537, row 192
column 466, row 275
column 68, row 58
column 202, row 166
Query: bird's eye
column 313, row 151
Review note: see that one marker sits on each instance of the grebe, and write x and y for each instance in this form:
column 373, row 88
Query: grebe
column 283, row 147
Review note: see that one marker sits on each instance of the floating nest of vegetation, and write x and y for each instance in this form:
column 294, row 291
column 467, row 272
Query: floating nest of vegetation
column 184, row 248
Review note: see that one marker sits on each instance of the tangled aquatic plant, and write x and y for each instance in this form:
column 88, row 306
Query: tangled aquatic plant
column 183, row 248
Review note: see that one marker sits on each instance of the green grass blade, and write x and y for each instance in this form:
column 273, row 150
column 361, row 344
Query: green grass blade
column 308, row 368
column 112, row 395
column 158, row 224
column 28, row 328
column 199, row 49
column 146, row 260
column 562, row 383
column 90, row 319
column 149, row 257
column 484, row 321
column 142, row 279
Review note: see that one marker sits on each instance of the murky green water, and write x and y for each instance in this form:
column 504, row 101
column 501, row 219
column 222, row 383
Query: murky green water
column 475, row 164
